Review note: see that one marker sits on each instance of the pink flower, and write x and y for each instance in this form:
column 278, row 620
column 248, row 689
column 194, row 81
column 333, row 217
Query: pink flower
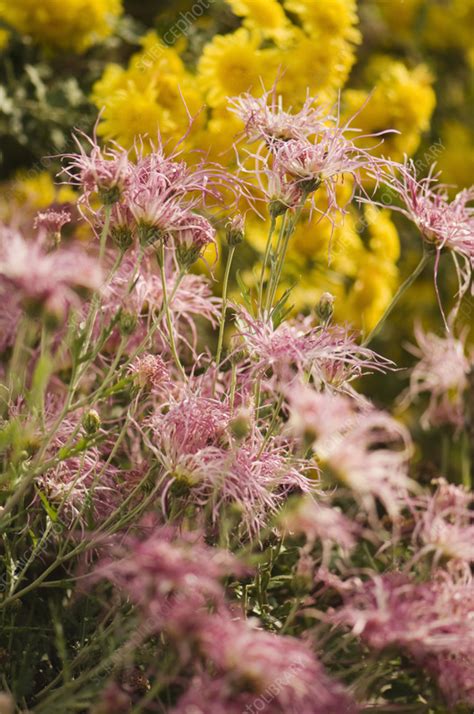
column 105, row 171
column 320, row 522
column 431, row 621
column 191, row 236
column 151, row 371
column 265, row 118
column 171, row 577
column 442, row 223
column 329, row 354
column 364, row 449
column 51, row 222
column 443, row 373
column 260, row 671
column 194, row 442
column 445, row 523
column 47, row 283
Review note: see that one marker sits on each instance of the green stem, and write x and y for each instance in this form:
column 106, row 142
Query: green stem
column 401, row 290
column 224, row 303
column 265, row 261
column 166, row 307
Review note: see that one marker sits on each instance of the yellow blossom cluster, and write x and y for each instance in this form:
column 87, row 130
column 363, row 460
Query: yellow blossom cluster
column 401, row 99
column 62, row 25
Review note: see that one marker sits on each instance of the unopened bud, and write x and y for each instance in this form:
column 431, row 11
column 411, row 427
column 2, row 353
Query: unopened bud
column 91, row 421
column 241, row 424
column 127, row 323
column 122, row 236
column 325, row 307
column 277, row 208
column 235, row 231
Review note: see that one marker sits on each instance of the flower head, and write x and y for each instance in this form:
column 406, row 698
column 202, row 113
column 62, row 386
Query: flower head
column 46, row 283
column 431, row 621
column 265, row 119
column 442, row 372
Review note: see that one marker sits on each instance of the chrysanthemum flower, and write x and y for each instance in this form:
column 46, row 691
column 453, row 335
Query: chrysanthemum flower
column 234, row 63
column 443, row 373
column 444, row 523
column 47, row 283
column 75, row 25
column 329, row 354
column 262, row 16
column 193, row 440
column 443, row 224
column 191, row 236
column 51, row 222
column 364, row 449
column 431, row 621
column 150, row 371
column 261, row 671
column 318, row 521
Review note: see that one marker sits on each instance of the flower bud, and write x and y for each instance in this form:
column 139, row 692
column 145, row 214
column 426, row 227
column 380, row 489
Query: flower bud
column 325, row 307
column 235, row 231
column 127, row 323
column 91, row 421
column 241, row 424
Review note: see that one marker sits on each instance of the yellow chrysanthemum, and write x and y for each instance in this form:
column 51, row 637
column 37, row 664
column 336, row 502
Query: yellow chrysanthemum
column 72, row 25
column 457, row 159
column 403, row 99
column 383, row 235
column 370, row 294
column 234, row 63
column 29, row 192
column 327, row 21
column 320, row 67
column 154, row 94
column 449, row 24
column 265, row 16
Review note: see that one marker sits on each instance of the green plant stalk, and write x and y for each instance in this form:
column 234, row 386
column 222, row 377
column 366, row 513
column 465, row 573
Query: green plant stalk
column 401, row 290
column 169, row 323
column 268, row 248
column 225, row 288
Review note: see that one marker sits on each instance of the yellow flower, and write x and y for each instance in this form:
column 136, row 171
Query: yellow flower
column 457, row 159
column 29, row 192
column 232, row 64
column 155, row 93
column 384, row 240
column 403, row 99
column 4, row 38
column 450, row 24
column 265, row 16
column 370, row 294
column 327, row 21
column 72, row 25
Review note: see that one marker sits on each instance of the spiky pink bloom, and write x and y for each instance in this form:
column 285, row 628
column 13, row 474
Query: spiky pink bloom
column 443, row 373
column 431, row 621
column 318, row 153
column 45, row 282
column 150, row 371
column 102, row 170
column 329, row 354
column 365, row 449
column 444, row 523
column 193, row 441
column 265, row 118
column 260, row 671
column 51, row 221
column 141, row 295
column 82, row 487
column 442, row 223
column 192, row 234
column 173, row 578
column 320, row 522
